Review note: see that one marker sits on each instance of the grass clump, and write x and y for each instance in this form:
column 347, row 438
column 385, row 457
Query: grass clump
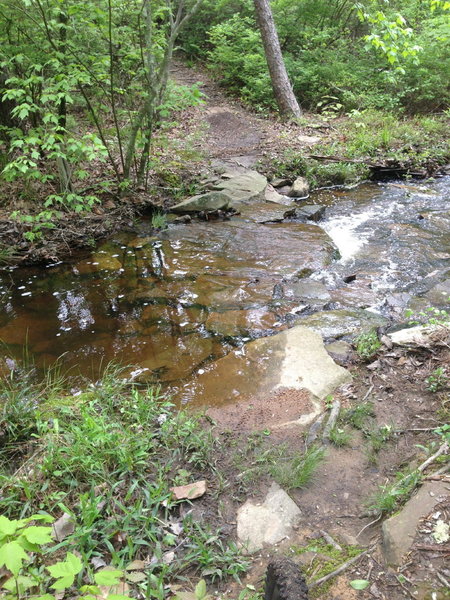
column 359, row 415
column 298, row 470
column 340, row 437
column 392, row 495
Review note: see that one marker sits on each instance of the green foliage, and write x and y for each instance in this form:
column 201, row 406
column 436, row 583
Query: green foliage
column 340, row 437
column 367, row 345
column 108, row 458
column 159, row 221
column 298, row 470
column 392, row 495
column 359, row 415
column 437, row 380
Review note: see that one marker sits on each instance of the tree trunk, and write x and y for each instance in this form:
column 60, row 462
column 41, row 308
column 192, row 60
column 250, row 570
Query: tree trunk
column 287, row 102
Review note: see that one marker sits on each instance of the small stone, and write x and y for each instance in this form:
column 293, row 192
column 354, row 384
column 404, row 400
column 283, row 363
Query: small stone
column 300, row 188
column 281, row 182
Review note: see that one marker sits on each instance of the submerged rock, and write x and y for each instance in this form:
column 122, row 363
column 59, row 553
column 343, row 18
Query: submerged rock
column 308, row 290
column 234, row 323
column 209, row 201
column 338, row 323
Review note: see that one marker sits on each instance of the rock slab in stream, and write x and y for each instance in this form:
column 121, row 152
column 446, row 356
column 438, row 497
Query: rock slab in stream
column 268, row 523
column 242, row 186
column 399, row 531
column 294, row 359
column 201, row 202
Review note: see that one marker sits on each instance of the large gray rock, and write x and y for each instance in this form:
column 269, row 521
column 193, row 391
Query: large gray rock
column 242, row 186
column 399, row 531
column 259, row 525
column 300, row 188
column 293, row 360
column 203, row 202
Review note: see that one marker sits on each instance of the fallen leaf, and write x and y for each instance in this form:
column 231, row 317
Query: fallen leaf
column 136, row 577
column 63, row 527
column 189, row 491
column 97, row 562
column 136, row 565
column 168, row 557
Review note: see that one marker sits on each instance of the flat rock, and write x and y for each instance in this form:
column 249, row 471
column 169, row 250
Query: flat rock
column 439, row 295
column 189, row 491
column 266, row 524
column 294, row 359
column 337, row 323
column 419, row 335
column 241, row 186
column 399, row 531
column 300, row 188
column 203, row 202
column 279, row 182
column 263, row 212
column 308, row 290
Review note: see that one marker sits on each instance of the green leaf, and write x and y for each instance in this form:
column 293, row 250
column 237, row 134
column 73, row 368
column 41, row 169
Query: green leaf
column 7, row 527
column 359, row 584
column 65, row 571
column 38, row 535
column 21, row 582
column 12, row 555
column 107, row 577
column 200, row 589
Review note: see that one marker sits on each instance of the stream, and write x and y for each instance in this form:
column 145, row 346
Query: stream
column 174, row 303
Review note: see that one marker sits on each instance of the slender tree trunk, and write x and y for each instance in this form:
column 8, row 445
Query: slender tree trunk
column 287, row 102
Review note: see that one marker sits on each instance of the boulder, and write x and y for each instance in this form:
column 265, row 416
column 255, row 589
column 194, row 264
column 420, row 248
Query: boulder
column 203, row 202
column 271, row 195
column 300, row 188
column 242, row 186
column 266, row 524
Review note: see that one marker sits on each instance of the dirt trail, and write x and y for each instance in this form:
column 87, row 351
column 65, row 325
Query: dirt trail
column 233, row 132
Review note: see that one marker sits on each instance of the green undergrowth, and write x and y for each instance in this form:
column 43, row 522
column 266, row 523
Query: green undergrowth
column 105, row 456
column 108, row 456
column 362, row 138
column 326, row 560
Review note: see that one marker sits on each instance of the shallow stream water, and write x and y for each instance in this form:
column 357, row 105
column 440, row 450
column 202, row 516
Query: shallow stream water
column 174, row 303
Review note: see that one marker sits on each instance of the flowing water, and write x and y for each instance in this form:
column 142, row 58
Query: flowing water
column 174, row 303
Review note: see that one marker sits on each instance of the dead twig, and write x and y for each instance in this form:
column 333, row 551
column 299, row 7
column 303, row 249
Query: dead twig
column 329, row 540
column 340, row 569
column 430, row 548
